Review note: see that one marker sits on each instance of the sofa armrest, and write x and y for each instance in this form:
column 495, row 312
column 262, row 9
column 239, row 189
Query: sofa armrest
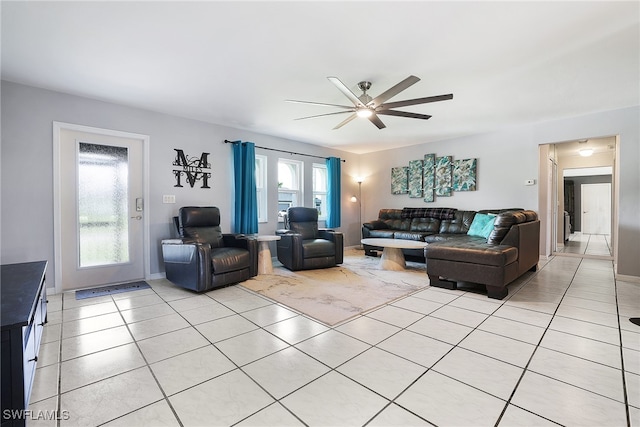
column 375, row 225
column 525, row 237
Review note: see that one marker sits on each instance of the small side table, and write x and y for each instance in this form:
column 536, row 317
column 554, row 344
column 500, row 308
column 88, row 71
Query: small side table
column 265, row 265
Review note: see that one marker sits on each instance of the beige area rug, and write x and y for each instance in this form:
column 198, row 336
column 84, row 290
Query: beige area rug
column 333, row 295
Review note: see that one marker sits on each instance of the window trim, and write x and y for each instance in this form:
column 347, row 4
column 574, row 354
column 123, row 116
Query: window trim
column 262, row 191
column 299, row 192
column 322, row 215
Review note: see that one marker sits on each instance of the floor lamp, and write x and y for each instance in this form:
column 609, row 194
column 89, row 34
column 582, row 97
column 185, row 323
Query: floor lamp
column 359, row 200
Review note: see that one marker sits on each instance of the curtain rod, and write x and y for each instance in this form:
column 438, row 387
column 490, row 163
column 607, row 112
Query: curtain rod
column 226, row 141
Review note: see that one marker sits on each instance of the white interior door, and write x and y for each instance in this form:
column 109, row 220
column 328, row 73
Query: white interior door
column 596, row 208
column 100, row 192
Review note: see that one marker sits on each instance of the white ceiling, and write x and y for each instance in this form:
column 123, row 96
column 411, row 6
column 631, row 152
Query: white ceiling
column 234, row 63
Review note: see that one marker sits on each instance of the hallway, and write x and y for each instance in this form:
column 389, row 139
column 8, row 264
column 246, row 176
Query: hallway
column 587, row 244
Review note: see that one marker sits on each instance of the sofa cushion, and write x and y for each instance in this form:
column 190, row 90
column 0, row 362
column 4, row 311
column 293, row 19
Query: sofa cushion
column 436, row 213
column 308, row 230
column 431, row 225
column 443, row 237
column 459, row 224
column 473, row 252
column 314, row 248
column 410, row 235
column 386, row 233
column 482, row 225
column 224, row 260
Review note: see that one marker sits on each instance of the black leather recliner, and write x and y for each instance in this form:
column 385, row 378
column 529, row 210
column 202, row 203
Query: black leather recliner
column 204, row 258
column 305, row 247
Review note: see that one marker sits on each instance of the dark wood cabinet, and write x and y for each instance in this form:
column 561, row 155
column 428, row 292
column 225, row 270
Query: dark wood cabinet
column 24, row 313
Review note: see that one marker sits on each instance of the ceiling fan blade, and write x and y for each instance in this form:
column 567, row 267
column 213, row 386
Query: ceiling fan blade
column 345, row 121
column 404, row 114
column 415, row 101
column 321, row 115
column 376, row 121
column 318, row 103
column 346, row 91
column 393, row 91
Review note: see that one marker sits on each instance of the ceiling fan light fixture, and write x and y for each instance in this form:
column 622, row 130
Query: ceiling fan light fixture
column 364, row 112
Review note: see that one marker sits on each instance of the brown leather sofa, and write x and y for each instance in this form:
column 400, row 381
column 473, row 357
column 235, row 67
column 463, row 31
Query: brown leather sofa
column 453, row 256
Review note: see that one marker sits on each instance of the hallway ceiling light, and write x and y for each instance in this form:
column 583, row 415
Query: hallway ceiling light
column 586, row 152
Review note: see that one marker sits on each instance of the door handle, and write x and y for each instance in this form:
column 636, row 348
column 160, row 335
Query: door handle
column 138, row 217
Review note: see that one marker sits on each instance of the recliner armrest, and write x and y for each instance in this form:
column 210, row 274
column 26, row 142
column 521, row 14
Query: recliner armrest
column 336, row 237
column 244, row 242
column 187, row 263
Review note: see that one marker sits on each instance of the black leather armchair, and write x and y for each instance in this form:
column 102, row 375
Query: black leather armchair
column 204, row 258
column 305, row 247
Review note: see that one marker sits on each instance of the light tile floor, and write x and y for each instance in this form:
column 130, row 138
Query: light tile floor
column 558, row 350
column 587, row 244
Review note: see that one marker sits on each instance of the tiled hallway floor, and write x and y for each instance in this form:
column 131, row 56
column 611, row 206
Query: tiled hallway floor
column 559, row 350
column 587, row 244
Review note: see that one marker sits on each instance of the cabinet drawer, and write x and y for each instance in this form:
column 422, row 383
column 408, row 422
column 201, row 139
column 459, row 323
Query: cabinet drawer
column 29, row 360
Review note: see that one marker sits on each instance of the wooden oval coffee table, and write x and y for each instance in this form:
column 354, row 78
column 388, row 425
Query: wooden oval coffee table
column 392, row 256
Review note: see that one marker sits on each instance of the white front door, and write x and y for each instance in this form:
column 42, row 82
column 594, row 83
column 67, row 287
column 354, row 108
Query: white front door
column 101, row 209
column 596, row 208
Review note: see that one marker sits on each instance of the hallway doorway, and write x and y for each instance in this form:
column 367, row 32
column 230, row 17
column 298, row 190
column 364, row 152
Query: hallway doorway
column 576, row 226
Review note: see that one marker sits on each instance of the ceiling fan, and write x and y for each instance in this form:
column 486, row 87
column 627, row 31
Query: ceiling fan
column 365, row 106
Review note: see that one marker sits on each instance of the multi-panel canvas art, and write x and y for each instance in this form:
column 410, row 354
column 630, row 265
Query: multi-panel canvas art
column 400, row 180
column 415, row 178
column 464, row 175
column 434, row 176
column 429, row 180
column 444, row 180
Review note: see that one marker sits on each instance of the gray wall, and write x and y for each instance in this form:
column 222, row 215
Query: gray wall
column 505, row 160
column 28, row 114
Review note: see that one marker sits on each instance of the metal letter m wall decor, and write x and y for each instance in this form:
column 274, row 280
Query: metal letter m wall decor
column 192, row 168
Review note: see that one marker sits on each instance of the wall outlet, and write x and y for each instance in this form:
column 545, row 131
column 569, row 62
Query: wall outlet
column 168, row 198
column 530, row 182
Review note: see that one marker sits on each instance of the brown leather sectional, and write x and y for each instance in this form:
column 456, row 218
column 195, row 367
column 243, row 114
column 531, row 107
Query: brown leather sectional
column 453, row 256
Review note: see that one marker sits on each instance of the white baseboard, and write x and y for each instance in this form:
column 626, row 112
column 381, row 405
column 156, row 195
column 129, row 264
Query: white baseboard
column 156, row 276
column 624, row 278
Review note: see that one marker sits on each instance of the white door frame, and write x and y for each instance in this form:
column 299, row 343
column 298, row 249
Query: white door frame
column 57, row 207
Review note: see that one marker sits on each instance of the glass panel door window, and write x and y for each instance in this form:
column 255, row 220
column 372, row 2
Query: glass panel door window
column 103, row 197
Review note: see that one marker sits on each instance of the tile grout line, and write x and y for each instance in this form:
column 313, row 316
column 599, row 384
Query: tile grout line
column 333, row 328
column 622, row 370
column 525, row 370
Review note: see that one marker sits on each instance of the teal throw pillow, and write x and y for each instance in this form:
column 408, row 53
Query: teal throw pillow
column 488, row 228
column 482, row 225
